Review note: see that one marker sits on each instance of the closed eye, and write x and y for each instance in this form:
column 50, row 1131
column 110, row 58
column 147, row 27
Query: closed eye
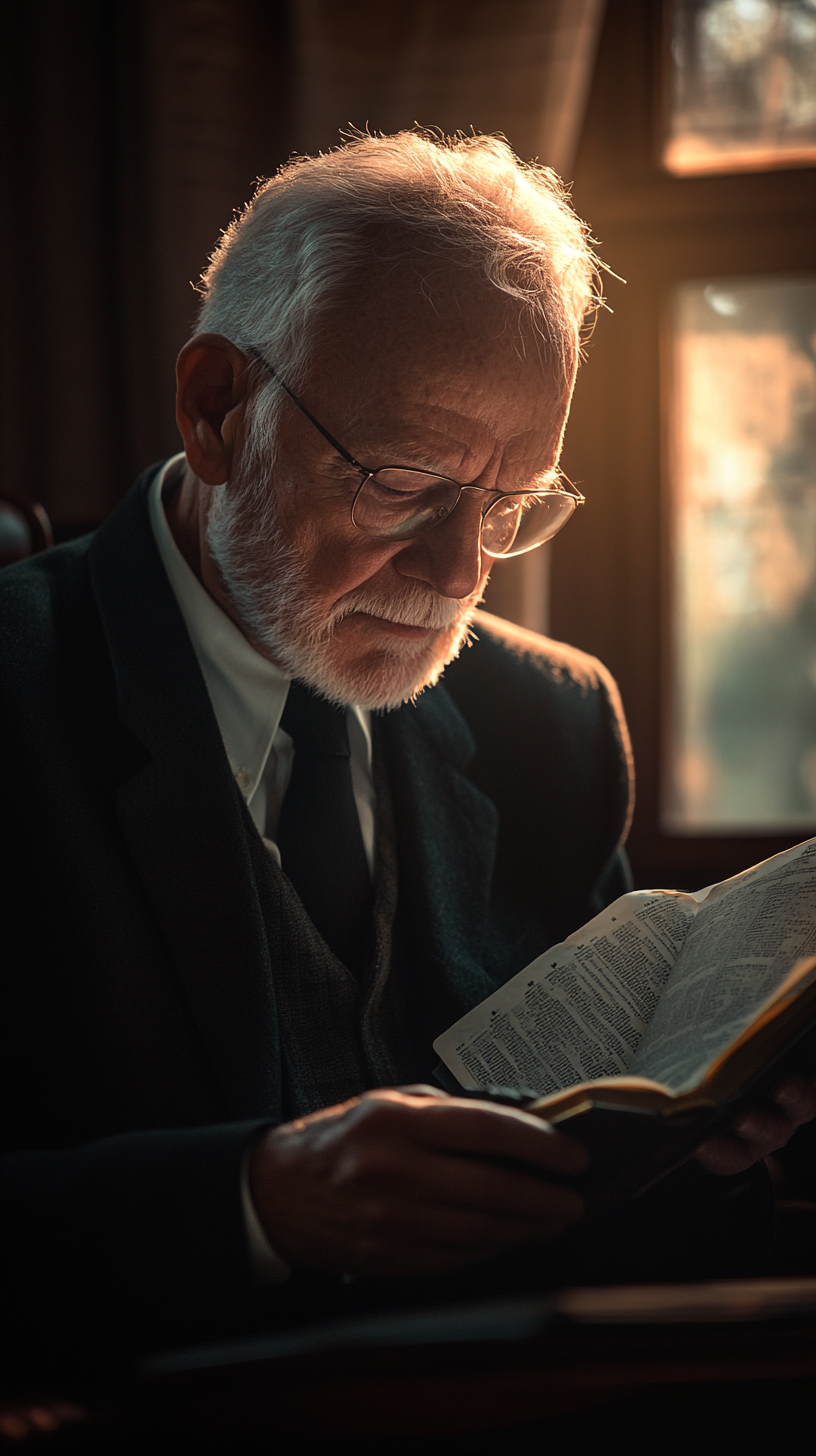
column 394, row 483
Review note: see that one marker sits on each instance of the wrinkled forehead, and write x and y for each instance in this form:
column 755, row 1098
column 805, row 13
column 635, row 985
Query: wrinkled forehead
column 424, row 327
column 419, row 303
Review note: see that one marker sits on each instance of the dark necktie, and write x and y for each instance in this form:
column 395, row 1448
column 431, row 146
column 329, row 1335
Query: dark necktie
column 319, row 837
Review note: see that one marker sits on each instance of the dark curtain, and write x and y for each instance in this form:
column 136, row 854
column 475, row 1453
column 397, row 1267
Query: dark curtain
column 133, row 130
column 521, row 67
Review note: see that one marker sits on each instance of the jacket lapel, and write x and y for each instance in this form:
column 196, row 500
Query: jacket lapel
column 446, row 837
column 181, row 815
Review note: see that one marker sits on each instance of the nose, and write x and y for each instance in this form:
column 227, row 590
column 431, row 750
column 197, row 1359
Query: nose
column 449, row 557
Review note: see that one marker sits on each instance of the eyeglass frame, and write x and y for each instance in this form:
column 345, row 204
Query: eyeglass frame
column 367, row 474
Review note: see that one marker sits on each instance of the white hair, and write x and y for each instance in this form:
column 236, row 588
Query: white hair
column 311, row 230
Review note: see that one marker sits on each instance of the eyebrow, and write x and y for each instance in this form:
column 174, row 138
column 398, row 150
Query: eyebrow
column 411, row 449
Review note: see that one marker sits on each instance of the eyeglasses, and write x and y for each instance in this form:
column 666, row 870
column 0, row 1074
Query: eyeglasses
column 395, row 503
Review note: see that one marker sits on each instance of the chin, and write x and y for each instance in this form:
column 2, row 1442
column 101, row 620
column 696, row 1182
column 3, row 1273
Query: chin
column 385, row 678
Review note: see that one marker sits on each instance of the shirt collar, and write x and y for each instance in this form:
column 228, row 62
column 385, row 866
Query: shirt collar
column 248, row 693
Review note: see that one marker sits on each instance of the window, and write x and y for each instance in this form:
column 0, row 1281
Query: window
column 741, row 751
column 743, row 85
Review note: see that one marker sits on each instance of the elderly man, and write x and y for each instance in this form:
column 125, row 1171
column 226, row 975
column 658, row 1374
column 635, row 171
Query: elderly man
column 262, row 856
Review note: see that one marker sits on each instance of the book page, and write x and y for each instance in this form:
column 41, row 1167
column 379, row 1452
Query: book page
column 740, row 947
column 579, row 1011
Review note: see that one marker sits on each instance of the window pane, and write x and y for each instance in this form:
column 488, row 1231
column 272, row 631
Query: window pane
column 742, row 746
column 743, row 85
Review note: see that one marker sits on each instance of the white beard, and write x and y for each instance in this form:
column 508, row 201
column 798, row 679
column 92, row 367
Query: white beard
column 266, row 578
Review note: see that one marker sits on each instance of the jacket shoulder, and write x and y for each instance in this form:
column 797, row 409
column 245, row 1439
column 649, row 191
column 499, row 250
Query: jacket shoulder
column 553, row 753
column 35, row 596
column 509, row 672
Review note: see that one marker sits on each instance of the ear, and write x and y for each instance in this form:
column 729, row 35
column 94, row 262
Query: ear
column 211, row 379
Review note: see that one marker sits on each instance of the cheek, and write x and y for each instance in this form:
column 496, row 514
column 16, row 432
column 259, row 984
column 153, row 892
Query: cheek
column 340, row 562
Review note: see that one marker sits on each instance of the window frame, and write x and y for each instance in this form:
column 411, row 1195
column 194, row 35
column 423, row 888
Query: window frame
column 611, row 570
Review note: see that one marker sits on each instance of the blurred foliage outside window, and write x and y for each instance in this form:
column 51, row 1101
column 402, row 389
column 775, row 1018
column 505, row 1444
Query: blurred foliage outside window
column 742, row 736
column 742, row 85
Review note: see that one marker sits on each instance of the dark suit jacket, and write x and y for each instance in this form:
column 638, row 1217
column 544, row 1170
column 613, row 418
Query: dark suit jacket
column 140, row 1023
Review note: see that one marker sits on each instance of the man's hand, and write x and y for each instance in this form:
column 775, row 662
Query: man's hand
column 757, row 1133
column 394, row 1183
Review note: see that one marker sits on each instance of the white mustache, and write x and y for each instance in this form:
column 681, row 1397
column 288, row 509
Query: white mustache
column 418, row 607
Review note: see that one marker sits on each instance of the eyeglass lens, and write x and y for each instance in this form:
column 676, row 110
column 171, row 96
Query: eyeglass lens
column 398, row 505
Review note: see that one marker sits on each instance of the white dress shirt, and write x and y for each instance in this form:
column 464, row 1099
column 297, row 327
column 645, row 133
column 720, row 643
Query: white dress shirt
column 248, row 695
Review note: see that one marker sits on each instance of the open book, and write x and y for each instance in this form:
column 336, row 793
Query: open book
column 652, row 1024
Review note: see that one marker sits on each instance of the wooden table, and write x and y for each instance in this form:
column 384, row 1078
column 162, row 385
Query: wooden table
column 722, row 1358
column 518, row 1361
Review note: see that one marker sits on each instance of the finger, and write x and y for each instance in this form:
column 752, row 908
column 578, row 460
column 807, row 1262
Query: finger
column 726, row 1156
column 763, row 1130
column 399, row 1229
column 492, row 1130
column 473, row 1232
column 453, row 1181
column 377, row 1165
column 423, row 1089
column 797, row 1098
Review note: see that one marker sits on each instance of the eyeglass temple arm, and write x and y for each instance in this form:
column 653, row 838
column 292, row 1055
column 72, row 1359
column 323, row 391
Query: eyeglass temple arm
column 256, row 354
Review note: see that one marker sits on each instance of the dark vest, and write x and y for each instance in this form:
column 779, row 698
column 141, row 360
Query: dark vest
column 340, row 1035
